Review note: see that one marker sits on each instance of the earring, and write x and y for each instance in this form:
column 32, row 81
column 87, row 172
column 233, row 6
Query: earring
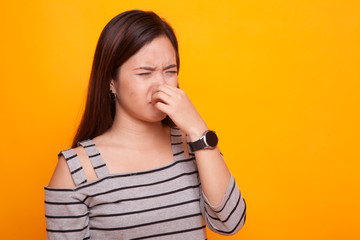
column 112, row 95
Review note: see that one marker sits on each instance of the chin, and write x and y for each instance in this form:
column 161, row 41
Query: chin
column 159, row 117
column 154, row 116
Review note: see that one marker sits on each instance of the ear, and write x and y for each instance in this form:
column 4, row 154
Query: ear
column 112, row 86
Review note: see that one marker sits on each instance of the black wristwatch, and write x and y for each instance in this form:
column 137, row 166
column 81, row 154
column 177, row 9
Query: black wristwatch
column 208, row 140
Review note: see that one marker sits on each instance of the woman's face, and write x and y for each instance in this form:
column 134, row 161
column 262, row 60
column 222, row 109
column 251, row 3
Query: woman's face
column 153, row 65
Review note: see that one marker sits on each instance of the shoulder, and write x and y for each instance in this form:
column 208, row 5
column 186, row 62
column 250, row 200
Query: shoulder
column 62, row 177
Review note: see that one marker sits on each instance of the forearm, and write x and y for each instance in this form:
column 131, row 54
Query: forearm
column 214, row 174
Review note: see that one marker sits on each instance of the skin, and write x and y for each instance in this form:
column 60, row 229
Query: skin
column 146, row 90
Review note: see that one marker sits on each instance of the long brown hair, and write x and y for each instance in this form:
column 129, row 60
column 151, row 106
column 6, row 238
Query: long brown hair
column 121, row 38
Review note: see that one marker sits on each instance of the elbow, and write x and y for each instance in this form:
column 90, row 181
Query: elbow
column 239, row 224
column 233, row 224
column 242, row 218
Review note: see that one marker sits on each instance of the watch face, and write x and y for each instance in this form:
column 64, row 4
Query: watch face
column 211, row 139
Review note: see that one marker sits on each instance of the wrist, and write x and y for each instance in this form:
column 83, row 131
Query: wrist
column 208, row 140
column 196, row 133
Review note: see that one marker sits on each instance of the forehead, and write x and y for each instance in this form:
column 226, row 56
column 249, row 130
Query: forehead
column 158, row 52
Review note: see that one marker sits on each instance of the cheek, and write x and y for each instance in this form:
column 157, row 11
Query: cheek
column 134, row 93
column 128, row 92
column 173, row 81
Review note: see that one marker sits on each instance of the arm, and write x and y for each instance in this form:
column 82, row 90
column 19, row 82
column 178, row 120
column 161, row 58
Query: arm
column 229, row 216
column 67, row 217
column 221, row 196
column 214, row 174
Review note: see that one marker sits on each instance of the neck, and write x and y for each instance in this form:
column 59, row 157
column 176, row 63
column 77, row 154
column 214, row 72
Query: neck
column 129, row 132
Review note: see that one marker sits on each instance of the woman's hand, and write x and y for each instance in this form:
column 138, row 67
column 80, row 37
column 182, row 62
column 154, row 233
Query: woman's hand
column 176, row 104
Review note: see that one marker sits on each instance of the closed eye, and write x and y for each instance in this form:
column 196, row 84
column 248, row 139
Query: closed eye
column 171, row 72
column 143, row 74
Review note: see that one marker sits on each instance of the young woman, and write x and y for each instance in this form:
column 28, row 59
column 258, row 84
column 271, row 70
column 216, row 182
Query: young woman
column 143, row 164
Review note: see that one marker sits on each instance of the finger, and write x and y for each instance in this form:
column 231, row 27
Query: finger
column 174, row 93
column 164, row 108
column 169, row 90
column 161, row 89
column 161, row 97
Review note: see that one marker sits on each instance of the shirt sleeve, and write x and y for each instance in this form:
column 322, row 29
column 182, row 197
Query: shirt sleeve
column 67, row 217
column 229, row 216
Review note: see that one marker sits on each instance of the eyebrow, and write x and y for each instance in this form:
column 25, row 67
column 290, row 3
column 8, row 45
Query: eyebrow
column 152, row 69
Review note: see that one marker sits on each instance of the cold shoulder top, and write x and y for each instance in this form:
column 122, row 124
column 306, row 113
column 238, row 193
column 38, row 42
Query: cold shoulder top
column 162, row 203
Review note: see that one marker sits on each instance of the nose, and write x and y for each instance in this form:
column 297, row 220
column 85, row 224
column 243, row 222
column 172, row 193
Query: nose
column 160, row 78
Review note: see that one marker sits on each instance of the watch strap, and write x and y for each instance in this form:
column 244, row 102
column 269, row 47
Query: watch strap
column 197, row 145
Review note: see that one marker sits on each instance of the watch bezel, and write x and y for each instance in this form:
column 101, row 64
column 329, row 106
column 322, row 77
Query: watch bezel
column 207, row 136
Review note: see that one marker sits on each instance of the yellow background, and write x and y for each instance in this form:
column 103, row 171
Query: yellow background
column 278, row 81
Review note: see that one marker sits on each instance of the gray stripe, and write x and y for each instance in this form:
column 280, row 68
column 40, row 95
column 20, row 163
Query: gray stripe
column 95, row 158
column 75, row 167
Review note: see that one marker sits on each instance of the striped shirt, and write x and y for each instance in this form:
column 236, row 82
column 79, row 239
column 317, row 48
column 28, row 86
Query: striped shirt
column 162, row 203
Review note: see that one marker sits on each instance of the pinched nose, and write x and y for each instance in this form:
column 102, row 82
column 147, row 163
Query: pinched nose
column 158, row 80
column 152, row 91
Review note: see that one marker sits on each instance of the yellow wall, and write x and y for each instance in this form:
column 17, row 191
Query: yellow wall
column 278, row 80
